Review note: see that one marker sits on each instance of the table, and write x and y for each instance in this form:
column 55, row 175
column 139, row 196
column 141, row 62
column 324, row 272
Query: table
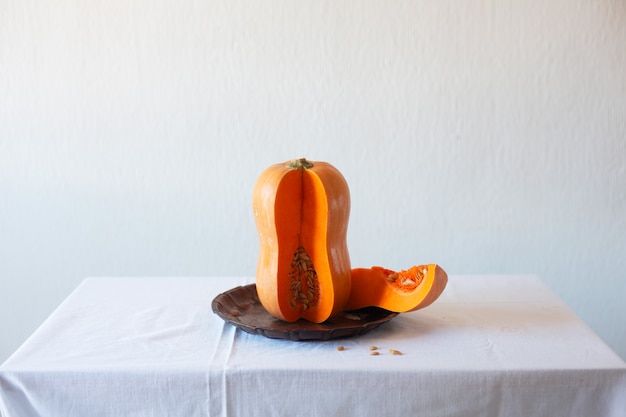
column 490, row 346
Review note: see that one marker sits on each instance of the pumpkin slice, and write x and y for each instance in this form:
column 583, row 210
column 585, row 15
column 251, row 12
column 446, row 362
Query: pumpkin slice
column 407, row 290
column 301, row 210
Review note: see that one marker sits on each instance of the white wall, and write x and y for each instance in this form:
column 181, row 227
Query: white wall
column 487, row 136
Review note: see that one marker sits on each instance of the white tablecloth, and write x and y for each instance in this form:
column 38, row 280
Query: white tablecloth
column 490, row 346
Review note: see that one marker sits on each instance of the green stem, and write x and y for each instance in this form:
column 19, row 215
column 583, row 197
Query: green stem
column 301, row 163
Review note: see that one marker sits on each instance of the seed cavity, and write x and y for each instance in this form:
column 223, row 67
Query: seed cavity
column 392, row 277
column 303, row 281
column 409, row 279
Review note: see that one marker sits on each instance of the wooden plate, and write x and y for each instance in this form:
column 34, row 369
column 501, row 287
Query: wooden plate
column 240, row 306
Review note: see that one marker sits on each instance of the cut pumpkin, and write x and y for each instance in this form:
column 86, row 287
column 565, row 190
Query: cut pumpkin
column 301, row 210
column 407, row 290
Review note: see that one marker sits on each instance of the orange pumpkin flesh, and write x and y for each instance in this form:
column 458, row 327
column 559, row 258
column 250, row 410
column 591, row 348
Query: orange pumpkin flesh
column 407, row 290
column 301, row 210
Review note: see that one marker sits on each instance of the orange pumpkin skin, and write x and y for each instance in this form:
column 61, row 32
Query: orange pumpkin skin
column 301, row 210
column 407, row 290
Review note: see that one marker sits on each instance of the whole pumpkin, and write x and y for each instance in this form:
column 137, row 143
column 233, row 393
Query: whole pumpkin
column 301, row 209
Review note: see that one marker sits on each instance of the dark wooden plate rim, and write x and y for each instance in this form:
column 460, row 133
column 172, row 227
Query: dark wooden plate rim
column 241, row 307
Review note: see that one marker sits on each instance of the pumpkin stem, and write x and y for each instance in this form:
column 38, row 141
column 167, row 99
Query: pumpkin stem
column 301, row 163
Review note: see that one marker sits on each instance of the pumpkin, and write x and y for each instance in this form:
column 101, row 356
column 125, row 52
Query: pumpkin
column 407, row 290
column 301, row 210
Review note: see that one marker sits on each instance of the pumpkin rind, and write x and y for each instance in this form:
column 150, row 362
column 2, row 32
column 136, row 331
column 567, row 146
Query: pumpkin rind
column 407, row 290
column 301, row 210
